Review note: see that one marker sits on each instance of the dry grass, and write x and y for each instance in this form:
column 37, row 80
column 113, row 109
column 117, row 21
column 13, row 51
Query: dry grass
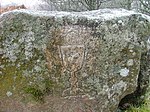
column 10, row 8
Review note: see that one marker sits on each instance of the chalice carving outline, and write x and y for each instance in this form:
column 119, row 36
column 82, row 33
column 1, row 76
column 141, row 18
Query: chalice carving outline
column 72, row 59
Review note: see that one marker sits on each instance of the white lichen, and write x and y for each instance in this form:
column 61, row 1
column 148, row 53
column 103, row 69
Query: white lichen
column 103, row 14
column 117, row 88
column 37, row 68
column 1, row 51
column 124, row 72
column 148, row 43
column 9, row 93
column 130, row 62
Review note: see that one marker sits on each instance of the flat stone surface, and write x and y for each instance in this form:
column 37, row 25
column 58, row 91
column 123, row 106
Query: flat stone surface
column 79, row 61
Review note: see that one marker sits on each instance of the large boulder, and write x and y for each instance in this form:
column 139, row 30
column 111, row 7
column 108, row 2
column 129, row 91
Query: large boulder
column 71, row 62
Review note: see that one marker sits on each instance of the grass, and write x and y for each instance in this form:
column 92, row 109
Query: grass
column 143, row 108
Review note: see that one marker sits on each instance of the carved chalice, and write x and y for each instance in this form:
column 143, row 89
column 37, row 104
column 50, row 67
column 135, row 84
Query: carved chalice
column 72, row 59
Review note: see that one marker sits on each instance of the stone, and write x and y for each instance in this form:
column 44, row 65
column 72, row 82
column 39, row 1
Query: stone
column 72, row 61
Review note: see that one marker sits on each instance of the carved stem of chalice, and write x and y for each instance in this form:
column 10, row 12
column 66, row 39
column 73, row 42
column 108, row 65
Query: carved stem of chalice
column 72, row 58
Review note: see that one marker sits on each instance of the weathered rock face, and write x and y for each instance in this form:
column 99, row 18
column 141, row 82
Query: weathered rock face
column 84, row 61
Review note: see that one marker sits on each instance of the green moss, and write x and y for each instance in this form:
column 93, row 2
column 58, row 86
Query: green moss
column 11, row 79
column 36, row 93
column 49, row 85
column 35, row 83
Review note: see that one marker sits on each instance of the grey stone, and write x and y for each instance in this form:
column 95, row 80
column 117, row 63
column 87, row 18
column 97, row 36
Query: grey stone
column 83, row 61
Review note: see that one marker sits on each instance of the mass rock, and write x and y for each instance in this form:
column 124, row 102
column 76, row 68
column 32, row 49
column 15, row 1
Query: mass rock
column 71, row 61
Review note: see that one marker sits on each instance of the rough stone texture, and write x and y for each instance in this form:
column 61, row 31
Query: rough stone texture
column 81, row 62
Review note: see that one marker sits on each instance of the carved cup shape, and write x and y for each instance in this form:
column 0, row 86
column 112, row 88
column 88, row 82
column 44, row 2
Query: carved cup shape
column 72, row 57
